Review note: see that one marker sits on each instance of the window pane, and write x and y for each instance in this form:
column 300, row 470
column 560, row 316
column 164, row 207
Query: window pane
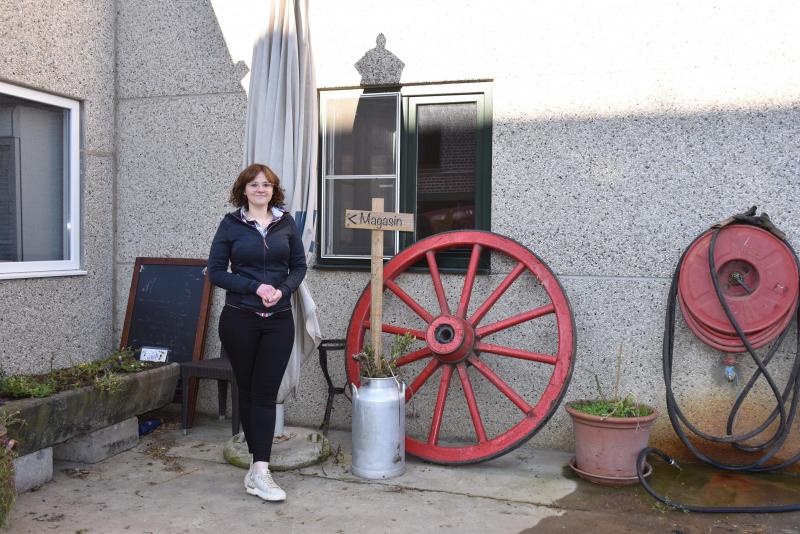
column 361, row 135
column 33, row 165
column 10, row 240
column 360, row 153
column 355, row 194
column 446, row 157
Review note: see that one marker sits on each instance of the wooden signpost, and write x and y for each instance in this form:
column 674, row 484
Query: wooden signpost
column 378, row 221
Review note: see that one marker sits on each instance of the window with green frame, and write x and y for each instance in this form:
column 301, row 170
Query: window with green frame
column 425, row 149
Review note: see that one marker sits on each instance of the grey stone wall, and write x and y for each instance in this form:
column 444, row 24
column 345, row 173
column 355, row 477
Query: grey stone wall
column 66, row 48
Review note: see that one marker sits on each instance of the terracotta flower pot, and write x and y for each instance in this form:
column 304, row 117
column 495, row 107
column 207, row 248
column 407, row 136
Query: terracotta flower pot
column 606, row 448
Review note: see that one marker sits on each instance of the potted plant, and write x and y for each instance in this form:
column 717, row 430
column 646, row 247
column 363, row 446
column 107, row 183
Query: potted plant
column 609, row 434
column 379, row 414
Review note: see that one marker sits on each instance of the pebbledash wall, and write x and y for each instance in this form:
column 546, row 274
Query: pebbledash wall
column 620, row 132
column 66, row 49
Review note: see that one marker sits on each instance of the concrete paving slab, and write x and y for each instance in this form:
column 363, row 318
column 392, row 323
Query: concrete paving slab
column 525, row 476
column 295, row 448
column 150, row 489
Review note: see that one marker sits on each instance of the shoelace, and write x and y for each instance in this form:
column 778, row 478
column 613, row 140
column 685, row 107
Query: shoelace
column 267, row 479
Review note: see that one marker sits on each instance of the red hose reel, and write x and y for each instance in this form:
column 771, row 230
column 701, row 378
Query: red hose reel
column 758, row 276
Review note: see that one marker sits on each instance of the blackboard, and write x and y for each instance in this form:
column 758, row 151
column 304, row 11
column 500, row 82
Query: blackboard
column 168, row 307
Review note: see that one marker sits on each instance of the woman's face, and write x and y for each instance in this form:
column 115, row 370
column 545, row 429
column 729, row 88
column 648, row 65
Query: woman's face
column 258, row 191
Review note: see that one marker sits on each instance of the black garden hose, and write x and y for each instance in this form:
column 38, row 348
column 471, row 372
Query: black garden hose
column 791, row 393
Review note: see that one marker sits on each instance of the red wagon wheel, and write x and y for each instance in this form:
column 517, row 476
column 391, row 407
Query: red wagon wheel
column 455, row 339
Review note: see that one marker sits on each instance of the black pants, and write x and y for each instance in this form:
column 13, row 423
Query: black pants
column 259, row 350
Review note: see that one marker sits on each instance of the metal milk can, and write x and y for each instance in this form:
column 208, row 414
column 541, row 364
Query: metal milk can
column 379, row 430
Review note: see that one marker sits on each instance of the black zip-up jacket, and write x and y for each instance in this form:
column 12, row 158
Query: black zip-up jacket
column 277, row 259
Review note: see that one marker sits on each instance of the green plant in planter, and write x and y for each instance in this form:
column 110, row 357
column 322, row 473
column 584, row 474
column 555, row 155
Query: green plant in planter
column 387, row 366
column 616, row 406
column 23, row 386
column 8, row 492
column 104, row 374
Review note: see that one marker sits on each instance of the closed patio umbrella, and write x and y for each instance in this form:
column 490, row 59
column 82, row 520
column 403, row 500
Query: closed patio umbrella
column 281, row 132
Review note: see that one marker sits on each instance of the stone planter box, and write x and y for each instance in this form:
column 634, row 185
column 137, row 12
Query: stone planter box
column 59, row 417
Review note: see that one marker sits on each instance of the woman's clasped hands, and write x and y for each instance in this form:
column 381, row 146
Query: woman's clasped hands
column 269, row 295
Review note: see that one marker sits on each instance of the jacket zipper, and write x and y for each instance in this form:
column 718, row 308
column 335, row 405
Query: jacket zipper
column 266, row 247
column 264, row 240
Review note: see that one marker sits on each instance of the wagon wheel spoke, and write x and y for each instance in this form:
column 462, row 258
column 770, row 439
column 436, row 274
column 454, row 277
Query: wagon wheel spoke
column 504, row 388
column 441, row 400
column 496, row 294
column 399, row 330
column 411, row 357
column 516, row 353
column 421, row 378
column 515, row 320
column 411, row 303
column 469, row 281
column 472, row 403
column 437, row 282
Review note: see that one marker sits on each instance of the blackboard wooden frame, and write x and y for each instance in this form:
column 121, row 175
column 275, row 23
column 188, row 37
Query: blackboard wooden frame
column 203, row 315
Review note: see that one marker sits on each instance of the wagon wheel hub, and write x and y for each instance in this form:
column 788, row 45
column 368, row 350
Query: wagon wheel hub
column 451, row 339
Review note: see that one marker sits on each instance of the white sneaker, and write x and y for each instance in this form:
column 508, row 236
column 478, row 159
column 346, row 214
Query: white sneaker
column 262, row 485
column 247, row 483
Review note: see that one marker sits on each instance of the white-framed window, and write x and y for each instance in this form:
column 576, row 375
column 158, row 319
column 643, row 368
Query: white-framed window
column 40, row 212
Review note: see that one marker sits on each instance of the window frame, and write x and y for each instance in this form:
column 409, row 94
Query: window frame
column 72, row 192
column 479, row 91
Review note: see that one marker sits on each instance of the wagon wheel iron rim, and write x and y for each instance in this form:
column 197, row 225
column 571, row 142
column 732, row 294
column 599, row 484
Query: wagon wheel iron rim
column 454, row 340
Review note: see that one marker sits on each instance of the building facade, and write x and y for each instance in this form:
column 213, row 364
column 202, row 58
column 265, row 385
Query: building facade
column 604, row 138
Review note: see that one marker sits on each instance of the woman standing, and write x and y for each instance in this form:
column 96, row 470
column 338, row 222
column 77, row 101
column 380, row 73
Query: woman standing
column 261, row 243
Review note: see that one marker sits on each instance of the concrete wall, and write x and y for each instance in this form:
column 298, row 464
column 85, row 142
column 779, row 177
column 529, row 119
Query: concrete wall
column 65, row 48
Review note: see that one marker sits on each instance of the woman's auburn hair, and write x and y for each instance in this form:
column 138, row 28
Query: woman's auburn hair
column 239, row 199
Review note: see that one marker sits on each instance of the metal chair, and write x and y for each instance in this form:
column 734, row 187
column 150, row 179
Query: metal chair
column 218, row 369
column 324, row 347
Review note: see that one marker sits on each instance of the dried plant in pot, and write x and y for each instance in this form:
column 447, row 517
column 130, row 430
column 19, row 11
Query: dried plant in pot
column 609, row 434
column 379, row 414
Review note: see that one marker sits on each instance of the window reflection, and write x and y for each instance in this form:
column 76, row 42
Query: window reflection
column 446, row 158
